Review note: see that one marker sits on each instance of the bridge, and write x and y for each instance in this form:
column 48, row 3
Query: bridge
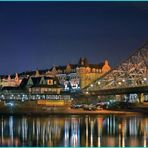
column 129, row 77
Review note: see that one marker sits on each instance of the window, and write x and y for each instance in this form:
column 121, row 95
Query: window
column 50, row 82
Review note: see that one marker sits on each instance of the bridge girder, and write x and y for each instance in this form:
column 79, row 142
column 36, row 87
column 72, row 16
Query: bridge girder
column 133, row 72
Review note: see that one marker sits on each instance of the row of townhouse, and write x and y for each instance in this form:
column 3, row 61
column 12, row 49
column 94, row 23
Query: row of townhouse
column 71, row 77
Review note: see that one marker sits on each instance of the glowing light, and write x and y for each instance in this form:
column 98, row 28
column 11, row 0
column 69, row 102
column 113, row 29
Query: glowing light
column 123, row 80
column 99, row 82
column 91, row 85
column 119, row 83
column 144, row 79
column 10, row 104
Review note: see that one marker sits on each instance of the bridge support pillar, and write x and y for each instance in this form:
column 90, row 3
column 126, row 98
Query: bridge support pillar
column 141, row 97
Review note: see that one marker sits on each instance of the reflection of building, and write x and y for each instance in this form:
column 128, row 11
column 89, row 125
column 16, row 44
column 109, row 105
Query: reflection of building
column 72, row 131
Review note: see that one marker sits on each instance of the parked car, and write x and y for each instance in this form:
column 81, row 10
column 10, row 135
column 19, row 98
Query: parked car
column 89, row 107
column 76, row 106
column 99, row 108
column 103, row 105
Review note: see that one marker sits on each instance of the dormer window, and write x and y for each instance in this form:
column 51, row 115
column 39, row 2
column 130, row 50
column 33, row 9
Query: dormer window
column 50, row 82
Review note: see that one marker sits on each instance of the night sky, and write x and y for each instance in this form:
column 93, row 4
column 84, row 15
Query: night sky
column 42, row 34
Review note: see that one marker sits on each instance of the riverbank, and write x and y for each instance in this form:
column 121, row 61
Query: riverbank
column 34, row 109
column 64, row 111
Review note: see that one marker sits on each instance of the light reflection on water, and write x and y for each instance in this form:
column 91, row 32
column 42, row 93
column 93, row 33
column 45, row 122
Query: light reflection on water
column 74, row 131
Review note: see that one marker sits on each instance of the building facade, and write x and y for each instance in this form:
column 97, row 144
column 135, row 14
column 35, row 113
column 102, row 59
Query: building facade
column 41, row 85
column 72, row 77
column 10, row 81
column 90, row 72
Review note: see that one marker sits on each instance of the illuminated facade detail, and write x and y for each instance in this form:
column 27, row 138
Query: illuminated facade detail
column 90, row 72
column 12, row 81
column 67, row 76
column 72, row 77
column 76, row 76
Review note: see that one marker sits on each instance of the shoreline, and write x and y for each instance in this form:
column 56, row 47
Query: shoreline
column 31, row 108
column 72, row 112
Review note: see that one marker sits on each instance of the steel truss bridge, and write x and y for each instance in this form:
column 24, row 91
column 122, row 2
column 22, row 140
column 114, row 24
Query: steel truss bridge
column 131, row 76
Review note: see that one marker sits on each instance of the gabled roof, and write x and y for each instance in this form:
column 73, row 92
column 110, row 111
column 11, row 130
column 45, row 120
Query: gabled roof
column 61, row 68
column 24, row 82
column 99, row 66
column 74, row 66
column 36, row 81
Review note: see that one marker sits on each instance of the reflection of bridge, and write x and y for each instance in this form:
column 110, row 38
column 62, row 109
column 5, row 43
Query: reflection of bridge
column 131, row 76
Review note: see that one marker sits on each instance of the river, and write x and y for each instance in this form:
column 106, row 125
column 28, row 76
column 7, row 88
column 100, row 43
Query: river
column 74, row 130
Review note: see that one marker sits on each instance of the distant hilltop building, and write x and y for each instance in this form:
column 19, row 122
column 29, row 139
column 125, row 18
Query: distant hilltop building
column 71, row 77
column 90, row 72
column 76, row 76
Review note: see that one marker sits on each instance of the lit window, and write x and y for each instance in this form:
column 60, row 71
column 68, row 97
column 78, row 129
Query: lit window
column 119, row 83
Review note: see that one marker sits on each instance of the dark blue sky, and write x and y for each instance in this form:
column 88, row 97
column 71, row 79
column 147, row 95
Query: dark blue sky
column 40, row 34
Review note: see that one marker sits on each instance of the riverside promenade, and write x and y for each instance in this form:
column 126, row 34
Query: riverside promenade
column 55, row 111
column 30, row 108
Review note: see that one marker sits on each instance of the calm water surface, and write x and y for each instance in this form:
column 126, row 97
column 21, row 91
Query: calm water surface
column 74, row 131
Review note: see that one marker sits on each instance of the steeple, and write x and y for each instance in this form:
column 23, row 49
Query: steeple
column 85, row 62
column 9, row 77
column 81, row 61
column 106, row 66
column 16, row 77
column 37, row 73
column 106, row 62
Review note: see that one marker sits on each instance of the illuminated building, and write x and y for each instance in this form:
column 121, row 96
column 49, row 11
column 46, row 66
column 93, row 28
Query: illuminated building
column 90, row 72
column 76, row 76
column 12, row 81
column 41, row 85
column 72, row 77
column 68, row 76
